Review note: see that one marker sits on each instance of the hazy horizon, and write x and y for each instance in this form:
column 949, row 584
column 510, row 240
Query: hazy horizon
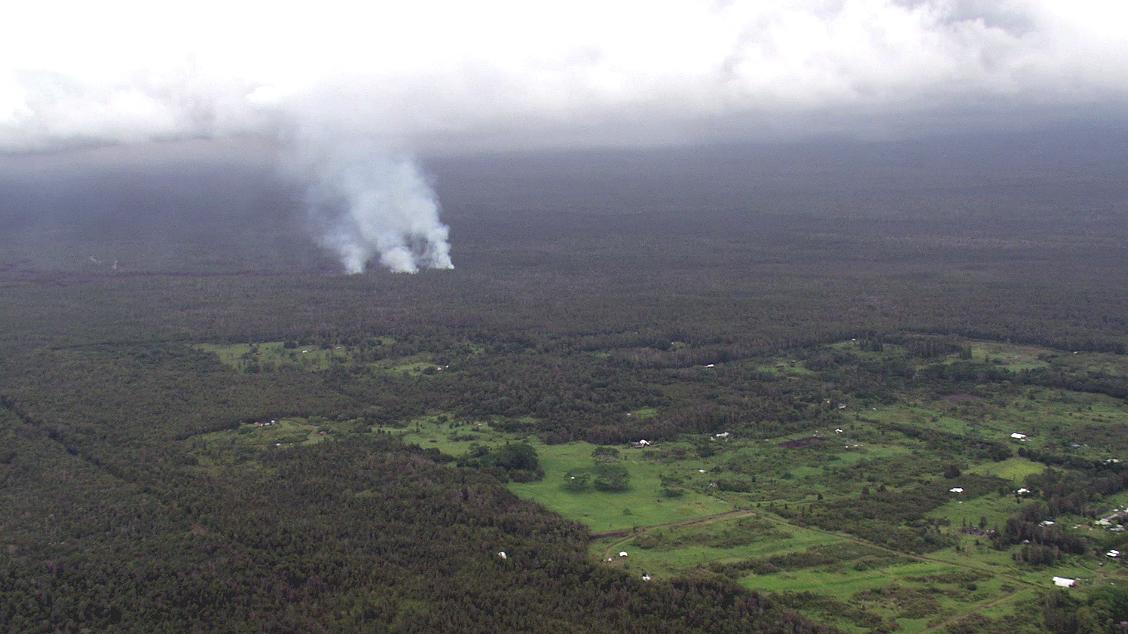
column 230, row 205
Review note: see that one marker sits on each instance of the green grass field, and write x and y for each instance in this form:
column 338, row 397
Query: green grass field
column 245, row 441
column 1014, row 469
column 267, row 356
column 1011, row 356
column 241, row 356
column 642, row 504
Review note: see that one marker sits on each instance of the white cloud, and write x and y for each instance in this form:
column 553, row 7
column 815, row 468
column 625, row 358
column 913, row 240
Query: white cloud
column 424, row 72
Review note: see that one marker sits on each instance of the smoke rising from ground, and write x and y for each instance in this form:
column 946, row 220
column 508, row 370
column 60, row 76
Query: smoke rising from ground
column 363, row 204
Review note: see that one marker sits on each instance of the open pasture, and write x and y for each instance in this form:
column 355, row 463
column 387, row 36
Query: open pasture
column 254, row 357
column 1013, row 357
column 669, row 551
column 378, row 354
column 248, row 439
column 643, row 503
column 1014, row 469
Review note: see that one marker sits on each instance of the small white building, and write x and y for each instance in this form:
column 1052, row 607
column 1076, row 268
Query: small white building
column 723, row 434
column 502, row 555
column 646, row 577
column 643, row 443
column 1064, row 582
column 622, row 553
column 1018, row 436
column 1112, row 553
column 956, row 490
column 1022, row 491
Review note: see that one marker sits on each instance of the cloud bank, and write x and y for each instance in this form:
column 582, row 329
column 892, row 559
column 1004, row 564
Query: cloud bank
column 438, row 74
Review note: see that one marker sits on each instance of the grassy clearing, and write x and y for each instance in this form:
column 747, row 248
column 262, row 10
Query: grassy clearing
column 282, row 431
column 1116, row 500
column 1001, row 563
column 642, row 504
column 938, row 417
column 916, row 596
column 673, row 551
column 415, row 365
column 453, row 438
column 245, row 356
column 1013, row 469
column 1005, row 607
column 781, row 367
column 243, row 443
column 870, row 452
column 969, row 512
column 1011, row 356
column 1094, row 363
column 271, row 355
column 840, row 585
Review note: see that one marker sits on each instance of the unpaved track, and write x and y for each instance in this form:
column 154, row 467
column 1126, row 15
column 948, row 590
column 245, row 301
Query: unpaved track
column 696, row 521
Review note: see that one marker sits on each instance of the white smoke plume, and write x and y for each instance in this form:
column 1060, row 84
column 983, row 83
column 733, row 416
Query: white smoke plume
column 365, row 204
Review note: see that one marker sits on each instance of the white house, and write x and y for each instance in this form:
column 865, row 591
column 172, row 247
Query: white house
column 643, row 443
column 1018, row 436
column 956, row 490
column 502, row 555
column 1064, row 582
column 723, row 434
column 1112, row 553
column 622, row 553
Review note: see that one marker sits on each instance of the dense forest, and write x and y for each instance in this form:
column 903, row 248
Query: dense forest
column 586, row 288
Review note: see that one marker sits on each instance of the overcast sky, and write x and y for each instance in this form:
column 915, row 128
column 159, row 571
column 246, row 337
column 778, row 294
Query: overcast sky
column 433, row 76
